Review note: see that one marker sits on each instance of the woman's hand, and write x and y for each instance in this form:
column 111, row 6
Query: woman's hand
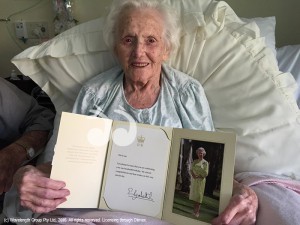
column 194, row 175
column 37, row 191
column 241, row 209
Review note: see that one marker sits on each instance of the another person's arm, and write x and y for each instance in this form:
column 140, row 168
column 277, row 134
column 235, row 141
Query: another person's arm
column 24, row 124
column 14, row 155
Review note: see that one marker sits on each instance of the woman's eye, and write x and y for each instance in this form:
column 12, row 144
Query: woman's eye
column 128, row 40
column 151, row 40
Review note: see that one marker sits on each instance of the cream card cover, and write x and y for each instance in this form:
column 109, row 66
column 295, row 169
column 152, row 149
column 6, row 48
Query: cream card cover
column 79, row 158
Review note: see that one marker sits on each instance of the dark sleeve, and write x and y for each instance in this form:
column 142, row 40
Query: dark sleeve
column 20, row 112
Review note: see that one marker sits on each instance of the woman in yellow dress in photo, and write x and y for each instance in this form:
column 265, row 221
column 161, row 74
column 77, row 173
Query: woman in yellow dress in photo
column 199, row 171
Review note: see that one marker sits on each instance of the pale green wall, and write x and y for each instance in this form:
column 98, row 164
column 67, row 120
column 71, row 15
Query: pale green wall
column 287, row 16
column 10, row 46
column 85, row 10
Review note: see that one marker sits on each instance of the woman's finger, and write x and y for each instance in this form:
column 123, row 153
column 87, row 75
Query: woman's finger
column 43, row 194
column 41, row 209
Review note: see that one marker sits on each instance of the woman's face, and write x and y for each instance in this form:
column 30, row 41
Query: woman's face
column 140, row 46
column 200, row 153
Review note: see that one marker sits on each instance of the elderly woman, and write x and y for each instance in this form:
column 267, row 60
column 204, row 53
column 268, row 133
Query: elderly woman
column 142, row 34
column 199, row 171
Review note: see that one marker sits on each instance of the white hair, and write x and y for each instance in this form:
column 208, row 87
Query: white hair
column 171, row 26
column 201, row 149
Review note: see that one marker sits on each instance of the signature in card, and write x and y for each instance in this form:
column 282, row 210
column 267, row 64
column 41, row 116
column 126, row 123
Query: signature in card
column 136, row 194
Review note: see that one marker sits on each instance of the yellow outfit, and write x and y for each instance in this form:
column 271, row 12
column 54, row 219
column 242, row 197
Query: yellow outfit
column 197, row 187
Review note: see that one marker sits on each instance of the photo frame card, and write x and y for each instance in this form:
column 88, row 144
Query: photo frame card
column 220, row 154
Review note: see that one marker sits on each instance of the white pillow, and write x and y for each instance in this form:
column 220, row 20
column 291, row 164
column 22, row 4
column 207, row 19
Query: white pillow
column 288, row 58
column 267, row 27
column 61, row 65
column 246, row 91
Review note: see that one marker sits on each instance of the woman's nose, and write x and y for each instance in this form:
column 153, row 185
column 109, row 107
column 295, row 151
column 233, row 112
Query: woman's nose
column 139, row 49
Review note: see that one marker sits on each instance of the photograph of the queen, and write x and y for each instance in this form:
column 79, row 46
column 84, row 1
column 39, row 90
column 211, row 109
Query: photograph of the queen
column 198, row 181
column 199, row 170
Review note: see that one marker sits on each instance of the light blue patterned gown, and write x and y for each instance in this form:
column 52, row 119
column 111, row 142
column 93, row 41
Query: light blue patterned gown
column 181, row 103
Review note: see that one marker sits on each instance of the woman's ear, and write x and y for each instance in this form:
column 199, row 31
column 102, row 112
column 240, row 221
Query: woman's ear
column 166, row 54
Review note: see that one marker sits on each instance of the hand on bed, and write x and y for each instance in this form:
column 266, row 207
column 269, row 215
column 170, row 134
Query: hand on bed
column 37, row 191
column 241, row 209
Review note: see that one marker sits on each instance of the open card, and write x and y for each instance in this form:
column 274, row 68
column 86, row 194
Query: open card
column 141, row 168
